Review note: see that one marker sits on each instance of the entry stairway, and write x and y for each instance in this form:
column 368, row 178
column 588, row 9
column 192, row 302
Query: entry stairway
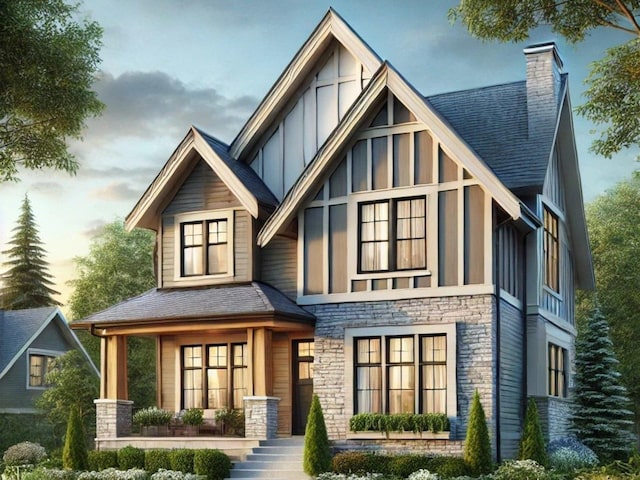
column 276, row 459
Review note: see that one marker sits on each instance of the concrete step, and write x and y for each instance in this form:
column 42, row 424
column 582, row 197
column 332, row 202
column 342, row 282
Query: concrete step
column 270, row 474
column 283, row 441
column 276, row 457
column 271, row 464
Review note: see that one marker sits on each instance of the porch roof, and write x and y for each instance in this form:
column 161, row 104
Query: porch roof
column 238, row 300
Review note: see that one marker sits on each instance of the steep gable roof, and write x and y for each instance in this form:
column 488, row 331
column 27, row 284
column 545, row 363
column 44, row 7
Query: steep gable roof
column 20, row 328
column 331, row 27
column 386, row 77
column 239, row 178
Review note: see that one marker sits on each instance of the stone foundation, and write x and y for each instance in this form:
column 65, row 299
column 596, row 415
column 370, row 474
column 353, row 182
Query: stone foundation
column 452, row 448
column 113, row 418
column 555, row 415
column 260, row 417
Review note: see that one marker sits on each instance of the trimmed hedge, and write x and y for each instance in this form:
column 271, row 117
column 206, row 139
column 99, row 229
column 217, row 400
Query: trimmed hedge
column 215, row 464
column 182, row 460
column 102, row 459
column 154, row 460
column 360, row 462
column 130, row 457
column 405, row 465
column 449, row 467
column 399, row 422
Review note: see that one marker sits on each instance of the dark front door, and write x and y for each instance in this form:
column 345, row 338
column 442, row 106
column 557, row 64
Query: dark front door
column 302, row 383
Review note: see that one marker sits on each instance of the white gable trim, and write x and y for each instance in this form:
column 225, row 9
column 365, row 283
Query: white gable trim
column 167, row 177
column 56, row 313
column 386, row 76
column 331, row 26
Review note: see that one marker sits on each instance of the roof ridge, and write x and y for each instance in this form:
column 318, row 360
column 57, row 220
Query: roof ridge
column 475, row 89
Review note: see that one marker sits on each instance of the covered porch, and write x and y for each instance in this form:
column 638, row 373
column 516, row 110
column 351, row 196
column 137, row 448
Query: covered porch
column 244, row 347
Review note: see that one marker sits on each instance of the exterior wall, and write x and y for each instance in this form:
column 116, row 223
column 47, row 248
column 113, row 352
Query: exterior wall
column 430, row 447
column 281, row 350
column 113, row 418
column 555, row 414
column 204, row 192
column 474, row 320
column 167, row 373
column 279, row 265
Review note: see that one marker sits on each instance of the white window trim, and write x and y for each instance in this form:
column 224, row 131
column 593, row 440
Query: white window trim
column 448, row 329
column 203, row 216
column 42, row 352
column 353, row 203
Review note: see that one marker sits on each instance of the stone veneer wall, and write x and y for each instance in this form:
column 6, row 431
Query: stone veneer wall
column 555, row 415
column 113, row 418
column 260, row 417
column 442, row 447
column 474, row 317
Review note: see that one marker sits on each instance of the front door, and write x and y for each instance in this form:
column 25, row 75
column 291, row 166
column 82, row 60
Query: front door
column 302, row 383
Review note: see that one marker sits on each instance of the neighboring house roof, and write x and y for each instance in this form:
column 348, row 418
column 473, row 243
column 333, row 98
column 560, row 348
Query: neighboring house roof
column 20, row 328
column 493, row 121
column 239, row 178
column 227, row 301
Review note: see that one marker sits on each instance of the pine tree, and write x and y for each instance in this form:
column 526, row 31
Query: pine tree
column 317, row 451
column 477, row 445
column 532, row 441
column 74, row 453
column 601, row 418
column 27, row 281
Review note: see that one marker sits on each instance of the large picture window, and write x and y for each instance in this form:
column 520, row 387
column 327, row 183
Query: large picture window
column 392, row 235
column 217, row 380
column 204, row 247
column 386, row 378
column 557, row 371
column 39, row 366
column 551, row 251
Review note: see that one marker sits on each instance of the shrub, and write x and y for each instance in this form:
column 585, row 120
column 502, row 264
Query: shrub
column 155, row 460
column 317, row 451
column 532, row 441
column 181, row 460
column 423, row 475
column 399, row 422
column 477, row 446
column 42, row 473
column 74, row 453
column 113, row 474
column 21, row 427
column 193, row 416
column 232, row 421
column 568, row 454
column 214, row 464
column 355, row 462
column 152, row 416
column 405, row 465
column 24, row 453
column 163, row 474
column 342, row 476
column 522, row 470
column 102, row 459
column 448, row 467
column 130, row 457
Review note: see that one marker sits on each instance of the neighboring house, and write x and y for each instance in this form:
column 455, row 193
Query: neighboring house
column 30, row 340
column 387, row 251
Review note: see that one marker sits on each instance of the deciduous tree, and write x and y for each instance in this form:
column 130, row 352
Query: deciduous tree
column 27, row 280
column 613, row 92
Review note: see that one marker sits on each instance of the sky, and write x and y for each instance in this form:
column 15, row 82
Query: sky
column 170, row 64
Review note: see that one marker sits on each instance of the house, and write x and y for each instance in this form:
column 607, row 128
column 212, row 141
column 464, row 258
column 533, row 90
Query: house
column 387, row 251
column 29, row 340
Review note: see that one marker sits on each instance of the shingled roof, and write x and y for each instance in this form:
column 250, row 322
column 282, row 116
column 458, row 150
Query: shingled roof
column 225, row 302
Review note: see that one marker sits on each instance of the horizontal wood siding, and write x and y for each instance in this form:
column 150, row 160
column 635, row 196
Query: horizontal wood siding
column 241, row 247
column 511, row 378
column 279, row 265
column 168, row 374
column 282, row 381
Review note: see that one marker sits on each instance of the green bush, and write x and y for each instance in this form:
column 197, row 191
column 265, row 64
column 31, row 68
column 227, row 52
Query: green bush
column 532, row 441
column 181, row 460
column 23, row 427
column 130, row 457
column 74, row 454
column 405, row 465
column 399, row 422
column 102, row 459
column 154, row 460
column 232, row 421
column 317, row 451
column 215, row 464
column 477, row 446
column 24, row 453
column 152, row 416
column 360, row 462
column 448, row 467
column 193, row 416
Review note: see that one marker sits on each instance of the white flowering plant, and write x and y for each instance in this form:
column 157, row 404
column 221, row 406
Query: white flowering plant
column 163, row 474
column 353, row 476
column 568, row 454
column 114, row 474
column 43, row 473
column 25, row 453
column 521, row 470
column 423, row 474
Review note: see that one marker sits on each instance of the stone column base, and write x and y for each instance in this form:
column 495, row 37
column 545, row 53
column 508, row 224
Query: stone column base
column 260, row 417
column 113, row 418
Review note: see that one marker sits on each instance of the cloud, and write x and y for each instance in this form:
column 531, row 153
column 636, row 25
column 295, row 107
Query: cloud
column 152, row 104
column 48, row 189
column 142, row 174
column 119, row 191
column 94, row 228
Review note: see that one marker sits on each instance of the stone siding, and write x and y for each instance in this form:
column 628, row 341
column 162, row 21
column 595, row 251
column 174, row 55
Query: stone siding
column 391, row 447
column 474, row 317
column 555, row 415
column 260, row 417
column 113, row 418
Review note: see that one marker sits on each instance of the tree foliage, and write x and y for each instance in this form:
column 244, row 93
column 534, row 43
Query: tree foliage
column 48, row 60
column 119, row 266
column 600, row 419
column 27, row 280
column 477, row 445
column 532, row 442
column 74, row 453
column 317, row 450
column 613, row 221
column 613, row 86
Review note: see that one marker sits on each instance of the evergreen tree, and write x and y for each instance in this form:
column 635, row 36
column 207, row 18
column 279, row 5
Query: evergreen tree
column 74, row 453
column 27, row 281
column 317, row 451
column 477, row 445
column 601, row 418
column 532, row 441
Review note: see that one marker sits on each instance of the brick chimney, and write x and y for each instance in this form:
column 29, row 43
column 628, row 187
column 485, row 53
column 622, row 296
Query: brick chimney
column 544, row 67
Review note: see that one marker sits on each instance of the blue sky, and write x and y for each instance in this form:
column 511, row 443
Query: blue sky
column 167, row 64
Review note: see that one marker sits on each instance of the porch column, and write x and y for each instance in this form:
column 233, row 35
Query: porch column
column 113, row 409
column 261, row 417
column 262, row 365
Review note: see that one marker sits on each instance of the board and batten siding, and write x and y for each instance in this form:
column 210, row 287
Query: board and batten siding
column 295, row 138
column 281, row 352
column 279, row 265
column 203, row 191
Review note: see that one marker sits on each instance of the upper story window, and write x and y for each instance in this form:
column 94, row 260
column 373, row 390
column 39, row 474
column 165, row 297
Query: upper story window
column 392, row 235
column 557, row 371
column 551, row 251
column 205, row 243
column 39, row 366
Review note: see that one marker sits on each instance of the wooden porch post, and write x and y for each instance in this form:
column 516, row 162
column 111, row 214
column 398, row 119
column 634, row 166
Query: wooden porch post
column 262, row 362
column 115, row 383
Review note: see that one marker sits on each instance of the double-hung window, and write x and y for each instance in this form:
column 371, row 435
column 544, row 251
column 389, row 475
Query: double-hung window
column 39, row 366
column 392, row 235
column 557, row 371
column 551, row 251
